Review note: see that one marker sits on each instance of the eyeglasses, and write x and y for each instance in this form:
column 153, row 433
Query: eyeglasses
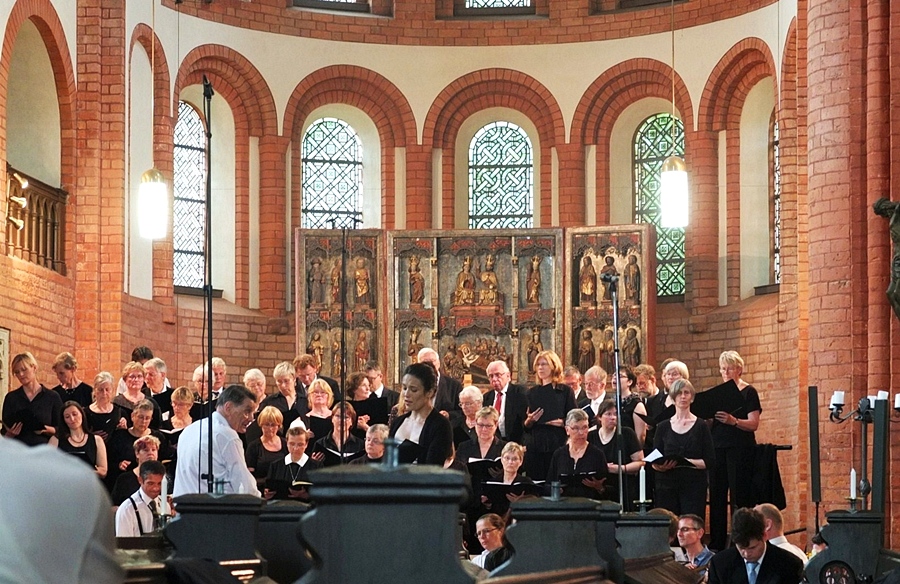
column 686, row 529
column 484, row 532
column 134, row 376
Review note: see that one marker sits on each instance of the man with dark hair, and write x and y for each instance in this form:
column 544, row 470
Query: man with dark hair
column 690, row 539
column 376, row 385
column 137, row 514
column 234, row 412
column 752, row 560
column 307, row 370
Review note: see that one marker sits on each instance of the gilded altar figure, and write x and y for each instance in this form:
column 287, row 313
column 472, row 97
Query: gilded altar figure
column 416, row 282
column 414, row 346
column 632, row 279
column 316, row 348
column 362, row 351
column 587, row 282
column 608, row 269
column 608, row 352
column 336, row 276
column 336, row 355
column 464, row 294
column 533, row 295
column 315, row 279
column 534, row 347
column 631, row 348
column 587, row 353
column 490, row 294
column 363, row 290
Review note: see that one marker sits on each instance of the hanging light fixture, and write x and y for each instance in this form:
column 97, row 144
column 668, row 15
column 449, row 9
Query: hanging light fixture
column 673, row 176
column 153, row 197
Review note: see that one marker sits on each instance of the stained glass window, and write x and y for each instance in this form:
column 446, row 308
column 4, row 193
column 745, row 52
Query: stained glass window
column 497, row 3
column 653, row 142
column 501, row 178
column 189, row 207
column 332, row 176
column 776, row 204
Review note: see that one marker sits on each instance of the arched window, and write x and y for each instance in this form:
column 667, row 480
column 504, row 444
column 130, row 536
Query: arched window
column 501, row 178
column 189, row 208
column 775, row 157
column 653, row 142
column 332, row 176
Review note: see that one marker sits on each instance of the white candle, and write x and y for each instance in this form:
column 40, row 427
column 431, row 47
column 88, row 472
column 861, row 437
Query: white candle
column 897, row 401
column 852, row 483
column 837, row 399
column 642, row 475
column 882, row 395
column 164, row 497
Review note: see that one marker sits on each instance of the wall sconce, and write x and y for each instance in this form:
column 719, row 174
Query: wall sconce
column 22, row 202
column 20, row 224
column 22, row 180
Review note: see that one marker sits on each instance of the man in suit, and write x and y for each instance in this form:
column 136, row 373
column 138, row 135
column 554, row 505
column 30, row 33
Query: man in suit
column 572, row 378
column 752, row 560
column 305, row 366
column 595, row 390
column 446, row 400
column 376, row 385
column 511, row 403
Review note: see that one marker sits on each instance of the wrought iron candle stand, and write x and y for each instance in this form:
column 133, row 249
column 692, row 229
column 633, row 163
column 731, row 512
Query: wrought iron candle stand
column 864, row 414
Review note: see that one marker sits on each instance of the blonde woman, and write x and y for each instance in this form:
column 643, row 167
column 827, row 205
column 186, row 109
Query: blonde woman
column 548, row 402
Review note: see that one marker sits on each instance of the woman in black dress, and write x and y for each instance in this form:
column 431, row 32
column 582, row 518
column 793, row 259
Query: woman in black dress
column 263, row 452
column 73, row 437
column 425, row 435
column 486, row 444
column 31, row 413
column 680, row 486
column 120, row 446
column 734, row 440
column 578, row 457
column 548, row 403
column 103, row 416
column 632, row 404
column 606, row 439
column 340, row 444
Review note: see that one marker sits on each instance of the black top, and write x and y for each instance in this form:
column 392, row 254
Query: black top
column 164, row 400
column 43, row 410
column 727, row 436
column 259, row 459
column 562, row 463
column 279, row 471
column 128, row 406
column 366, row 460
column 104, row 424
column 695, row 443
column 462, row 432
column 353, row 448
column 86, row 452
column 631, row 444
column 629, row 404
column 471, row 449
column 655, row 405
column 120, row 446
column 126, row 485
column 778, row 567
column 81, row 393
column 201, row 409
column 435, row 441
column 557, row 401
column 299, row 408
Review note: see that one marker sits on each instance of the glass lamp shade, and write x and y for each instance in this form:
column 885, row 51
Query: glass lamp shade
column 674, row 193
column 153, row 209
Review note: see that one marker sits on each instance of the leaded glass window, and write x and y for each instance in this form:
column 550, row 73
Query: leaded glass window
column 501, row 178
column 776, row 204
column 189, row 207
column 332, row 176
column 656, row 139
column 498, row 3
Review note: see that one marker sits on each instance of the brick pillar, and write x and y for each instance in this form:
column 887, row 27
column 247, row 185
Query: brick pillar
column 702, row 235
column 418, row 186
column 571, row 185
column 99, row 191
column 272, row 236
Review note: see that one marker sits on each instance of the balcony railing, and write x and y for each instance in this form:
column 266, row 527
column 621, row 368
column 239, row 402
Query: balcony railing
column 41, row 239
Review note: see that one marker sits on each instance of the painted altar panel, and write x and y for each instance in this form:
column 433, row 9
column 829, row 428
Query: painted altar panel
column 326, row 279
column 626, row 255
column 474, row 296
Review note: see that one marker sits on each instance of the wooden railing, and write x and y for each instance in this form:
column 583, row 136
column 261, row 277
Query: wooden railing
column 41, row 240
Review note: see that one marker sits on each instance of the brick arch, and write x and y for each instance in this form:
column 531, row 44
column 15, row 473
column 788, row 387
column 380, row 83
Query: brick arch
column 249, row 94
column 359, row 87
column 143, row 35
column 742, row 67
column 620, row 86
column 488, row 88
column 42, row 14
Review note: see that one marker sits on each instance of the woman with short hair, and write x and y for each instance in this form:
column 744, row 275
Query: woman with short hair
column 31, row 413
column 262, row 452
column 70, row 387
column 143, row 449
column 470, row 401
column 491, row 532
column 606, row 439
column 486, row 444
column 579, row 457
column 103, row 416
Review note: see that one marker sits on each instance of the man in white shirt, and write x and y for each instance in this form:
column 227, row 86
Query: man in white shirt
column 376, row 384
column 137, row 514
column 595, row 391
column 56, row 517
column 234, row 412
column 774, row 533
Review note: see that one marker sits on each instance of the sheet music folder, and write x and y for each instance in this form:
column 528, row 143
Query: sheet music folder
column 725, row 397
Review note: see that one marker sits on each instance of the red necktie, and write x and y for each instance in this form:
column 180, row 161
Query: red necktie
column 498, row 403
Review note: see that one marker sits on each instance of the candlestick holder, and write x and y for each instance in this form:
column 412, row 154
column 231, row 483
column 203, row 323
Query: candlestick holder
column 643, row 506
column 865, row 415
column 853, row 503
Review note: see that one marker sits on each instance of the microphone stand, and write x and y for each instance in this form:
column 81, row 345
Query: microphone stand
column 345, row 258
column 208, row 287
column 612, row 283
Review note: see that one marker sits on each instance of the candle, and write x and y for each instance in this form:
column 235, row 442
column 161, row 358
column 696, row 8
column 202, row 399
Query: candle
column 164, row 497
column 897, row 401
column 642, row 475
column 882, row 395
column 852, row 483
column 837, row 399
